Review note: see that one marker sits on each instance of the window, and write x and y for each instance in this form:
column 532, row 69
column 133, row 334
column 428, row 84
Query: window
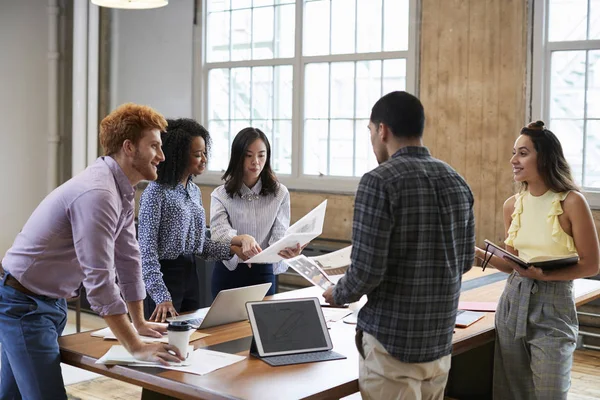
column 307, row 73
column 566, row 82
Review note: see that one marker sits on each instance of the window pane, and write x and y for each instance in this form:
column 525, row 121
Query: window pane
column 567, row 84
column 258, row 3
column 262, row 93
column 285, row 23
column 218, row 37
column 240, row 93
column 592, row 156
column 368, row 88
column 282, row 81
column 342, row 26
column 218, row 94
column 217, row 5
column 316, row 91
column 568, row 20
column 394, row 75
column 316, row 28
column 395, row 25
column 236, row 4
column 594, row 19
column 570, row 134
column 241, row 29
column 365, row 158
column 342, row 90
column 593, row 91
column 341, row 156
column 368, row 35
column 236, row 126
column 219, row 153
column 282, row 146
column 262, row 33
column 315, row 147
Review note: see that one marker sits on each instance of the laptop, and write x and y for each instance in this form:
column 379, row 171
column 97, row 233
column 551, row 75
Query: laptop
column 229, row 306
column 291, row 331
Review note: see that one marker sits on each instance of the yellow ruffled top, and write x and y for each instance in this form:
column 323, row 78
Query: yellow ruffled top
column 535, row 229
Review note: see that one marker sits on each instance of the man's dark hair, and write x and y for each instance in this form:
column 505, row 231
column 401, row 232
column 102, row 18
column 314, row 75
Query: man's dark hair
column 176, row 144
column 234, row 175
column 402, row 112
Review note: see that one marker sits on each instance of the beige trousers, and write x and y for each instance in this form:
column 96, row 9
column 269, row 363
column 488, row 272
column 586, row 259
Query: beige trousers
column 383, row 377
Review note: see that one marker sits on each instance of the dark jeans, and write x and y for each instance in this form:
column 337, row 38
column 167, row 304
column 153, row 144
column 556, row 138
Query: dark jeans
column 181, row 278
column 222, row 278
column 29, row 330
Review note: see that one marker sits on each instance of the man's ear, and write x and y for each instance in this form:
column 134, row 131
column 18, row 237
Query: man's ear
column 384, row 132
column 128, row 148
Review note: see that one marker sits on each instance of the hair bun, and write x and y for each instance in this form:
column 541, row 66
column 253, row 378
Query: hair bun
column 537, row 125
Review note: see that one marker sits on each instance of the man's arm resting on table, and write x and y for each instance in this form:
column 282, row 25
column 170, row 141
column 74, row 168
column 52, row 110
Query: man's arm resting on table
column 121, row 327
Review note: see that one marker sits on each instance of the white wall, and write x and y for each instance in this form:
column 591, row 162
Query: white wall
column 23, row 113
column 152, row 58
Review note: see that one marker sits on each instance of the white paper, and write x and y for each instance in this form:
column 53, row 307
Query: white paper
column 310, row 271
column 118, row 355
column 335, row 314
column 335, row 259
column 107, row 334
column 302, row 232
column 205, row 361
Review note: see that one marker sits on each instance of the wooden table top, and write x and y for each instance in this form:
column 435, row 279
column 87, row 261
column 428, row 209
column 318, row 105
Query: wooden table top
column 254, row 379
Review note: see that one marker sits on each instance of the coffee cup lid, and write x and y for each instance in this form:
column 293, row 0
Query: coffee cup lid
column 179, row 326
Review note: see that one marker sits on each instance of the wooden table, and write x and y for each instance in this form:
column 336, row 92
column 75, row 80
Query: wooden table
column 254, row 379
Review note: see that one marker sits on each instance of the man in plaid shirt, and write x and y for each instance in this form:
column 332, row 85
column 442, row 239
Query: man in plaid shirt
column 413, row 238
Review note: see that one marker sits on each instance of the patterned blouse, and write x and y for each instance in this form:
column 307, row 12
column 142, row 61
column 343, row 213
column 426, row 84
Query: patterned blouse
column 172, row 222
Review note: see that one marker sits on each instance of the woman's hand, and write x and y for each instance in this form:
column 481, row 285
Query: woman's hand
column 161, row 311
column 249, row 246
column 237, row 250
column 291, row 252
column 531, row 272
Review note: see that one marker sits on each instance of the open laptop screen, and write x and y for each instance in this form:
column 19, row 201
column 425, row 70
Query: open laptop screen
column 288, row 326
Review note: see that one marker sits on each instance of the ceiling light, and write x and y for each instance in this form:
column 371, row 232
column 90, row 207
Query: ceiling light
column 131, row 4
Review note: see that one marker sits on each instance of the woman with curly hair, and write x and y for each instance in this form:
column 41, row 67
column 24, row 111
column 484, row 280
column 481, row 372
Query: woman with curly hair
column 172, row 225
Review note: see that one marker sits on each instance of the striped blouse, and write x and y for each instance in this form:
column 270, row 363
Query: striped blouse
column 266, row 218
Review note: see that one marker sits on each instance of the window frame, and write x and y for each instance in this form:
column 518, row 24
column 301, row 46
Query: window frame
column 296, row 180
column 541, row 71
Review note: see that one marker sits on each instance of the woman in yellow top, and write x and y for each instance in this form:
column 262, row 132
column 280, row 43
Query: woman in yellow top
column 536, row 320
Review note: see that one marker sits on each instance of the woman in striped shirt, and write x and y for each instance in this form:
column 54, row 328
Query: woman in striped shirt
column 250, row 202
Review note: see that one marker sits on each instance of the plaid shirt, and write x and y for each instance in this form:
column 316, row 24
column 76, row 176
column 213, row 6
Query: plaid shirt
column 413, row 238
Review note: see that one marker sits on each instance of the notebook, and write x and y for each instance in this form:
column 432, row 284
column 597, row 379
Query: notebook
column 543, row 262
column 229, row 306
column 291, row 331
column 466, row 318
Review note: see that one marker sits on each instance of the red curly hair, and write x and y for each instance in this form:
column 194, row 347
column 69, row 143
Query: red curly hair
column 127, row 122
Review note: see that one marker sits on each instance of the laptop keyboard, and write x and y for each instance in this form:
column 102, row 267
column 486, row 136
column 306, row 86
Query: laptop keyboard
column 302, row 358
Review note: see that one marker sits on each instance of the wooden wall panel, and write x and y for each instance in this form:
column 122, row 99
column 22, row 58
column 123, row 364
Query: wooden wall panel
column 473, row 75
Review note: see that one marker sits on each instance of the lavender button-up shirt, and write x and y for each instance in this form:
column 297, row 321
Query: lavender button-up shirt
column 83, row 232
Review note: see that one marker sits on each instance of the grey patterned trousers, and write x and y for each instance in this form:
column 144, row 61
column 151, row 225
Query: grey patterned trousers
column 536, row 333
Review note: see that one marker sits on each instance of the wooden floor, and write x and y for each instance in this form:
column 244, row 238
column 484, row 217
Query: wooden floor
column 585, row 383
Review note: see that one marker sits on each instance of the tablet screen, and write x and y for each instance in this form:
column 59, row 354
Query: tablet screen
column 288, row 326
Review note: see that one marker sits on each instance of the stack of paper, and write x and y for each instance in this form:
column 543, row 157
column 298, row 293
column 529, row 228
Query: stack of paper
column 199, row 361
column 118, row 355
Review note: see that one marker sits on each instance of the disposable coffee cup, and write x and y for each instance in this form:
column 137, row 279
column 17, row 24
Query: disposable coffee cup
column 179, row 333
